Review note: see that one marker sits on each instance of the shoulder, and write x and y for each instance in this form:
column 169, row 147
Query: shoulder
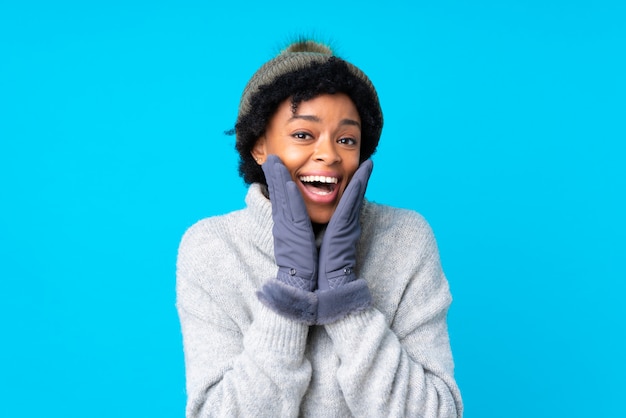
column 210, row 231
column 251, row 222
column 399, row 242
column 397, row 226
column 211, row 246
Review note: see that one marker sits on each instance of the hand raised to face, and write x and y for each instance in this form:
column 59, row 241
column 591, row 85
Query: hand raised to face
column 294, row 242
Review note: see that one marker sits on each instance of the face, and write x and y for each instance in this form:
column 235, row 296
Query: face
column 320, row 145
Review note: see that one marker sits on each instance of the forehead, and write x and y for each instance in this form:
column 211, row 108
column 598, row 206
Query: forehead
column 324, row 107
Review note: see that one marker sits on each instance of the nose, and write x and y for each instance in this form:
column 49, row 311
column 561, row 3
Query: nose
column 326, row 151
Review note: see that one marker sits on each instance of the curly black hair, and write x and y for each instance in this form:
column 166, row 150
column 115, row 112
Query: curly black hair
column 332, row 76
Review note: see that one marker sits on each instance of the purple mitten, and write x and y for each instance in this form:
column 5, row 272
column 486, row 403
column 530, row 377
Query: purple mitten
column 339, row 292
column 291, row 294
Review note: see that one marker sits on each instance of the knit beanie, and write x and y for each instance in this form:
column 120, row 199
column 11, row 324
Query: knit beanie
column 295, row 57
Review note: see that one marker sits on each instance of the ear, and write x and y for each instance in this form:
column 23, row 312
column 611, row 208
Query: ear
column 259, row 151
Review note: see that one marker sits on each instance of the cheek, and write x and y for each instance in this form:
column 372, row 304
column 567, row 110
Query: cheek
column 292, row 158
column 295, row 155
column 351, row 165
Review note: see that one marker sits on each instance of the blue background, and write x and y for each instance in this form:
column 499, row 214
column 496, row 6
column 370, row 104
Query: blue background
column 504, row 127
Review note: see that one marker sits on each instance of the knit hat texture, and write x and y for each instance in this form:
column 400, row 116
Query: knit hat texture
column 296, row 56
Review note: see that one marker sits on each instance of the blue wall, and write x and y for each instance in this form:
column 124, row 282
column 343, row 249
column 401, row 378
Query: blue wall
column 504, row 127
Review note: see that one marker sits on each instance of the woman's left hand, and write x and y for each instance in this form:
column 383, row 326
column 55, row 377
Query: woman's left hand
column 338, row 291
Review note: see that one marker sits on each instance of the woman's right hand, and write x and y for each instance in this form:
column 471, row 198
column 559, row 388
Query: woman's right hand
column 294, row 241
column 292, row 293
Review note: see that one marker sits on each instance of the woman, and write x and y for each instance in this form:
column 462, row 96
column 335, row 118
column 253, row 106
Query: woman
column 312, row 301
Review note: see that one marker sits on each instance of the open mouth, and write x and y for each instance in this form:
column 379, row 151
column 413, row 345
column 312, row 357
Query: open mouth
column 319, row 185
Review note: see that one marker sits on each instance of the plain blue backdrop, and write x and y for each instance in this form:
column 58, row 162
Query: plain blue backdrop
column 505, row 127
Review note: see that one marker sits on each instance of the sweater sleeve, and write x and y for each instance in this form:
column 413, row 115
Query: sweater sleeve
column 231, row 371
column 406, row 368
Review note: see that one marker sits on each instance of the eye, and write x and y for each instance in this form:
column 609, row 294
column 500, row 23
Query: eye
column 302, row 135
column 347, row 141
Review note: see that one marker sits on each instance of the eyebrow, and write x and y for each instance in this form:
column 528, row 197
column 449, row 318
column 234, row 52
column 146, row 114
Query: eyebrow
column 313, row 118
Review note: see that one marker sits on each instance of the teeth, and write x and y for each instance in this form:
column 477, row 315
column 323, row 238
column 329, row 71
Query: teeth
column 321, row 179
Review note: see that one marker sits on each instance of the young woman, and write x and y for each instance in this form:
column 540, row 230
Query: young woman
column 312, row 301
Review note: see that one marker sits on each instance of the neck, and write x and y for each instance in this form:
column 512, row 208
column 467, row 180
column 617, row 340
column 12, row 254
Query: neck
column 317, row 228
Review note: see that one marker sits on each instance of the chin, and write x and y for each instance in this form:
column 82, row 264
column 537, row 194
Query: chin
column 321, row 216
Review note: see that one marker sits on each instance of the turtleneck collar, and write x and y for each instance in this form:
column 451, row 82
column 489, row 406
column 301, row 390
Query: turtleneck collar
column 260, row 209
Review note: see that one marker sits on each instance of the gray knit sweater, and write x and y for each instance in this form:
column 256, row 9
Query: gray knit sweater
column 244, row 360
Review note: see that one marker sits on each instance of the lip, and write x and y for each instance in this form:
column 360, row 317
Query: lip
column 316, row 198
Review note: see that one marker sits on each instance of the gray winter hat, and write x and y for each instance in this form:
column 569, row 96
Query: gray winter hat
column 296, row 56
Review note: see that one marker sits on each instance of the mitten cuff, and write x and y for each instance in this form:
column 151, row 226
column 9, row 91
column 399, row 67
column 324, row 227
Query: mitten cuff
column 289, row 301
column 339, row 302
